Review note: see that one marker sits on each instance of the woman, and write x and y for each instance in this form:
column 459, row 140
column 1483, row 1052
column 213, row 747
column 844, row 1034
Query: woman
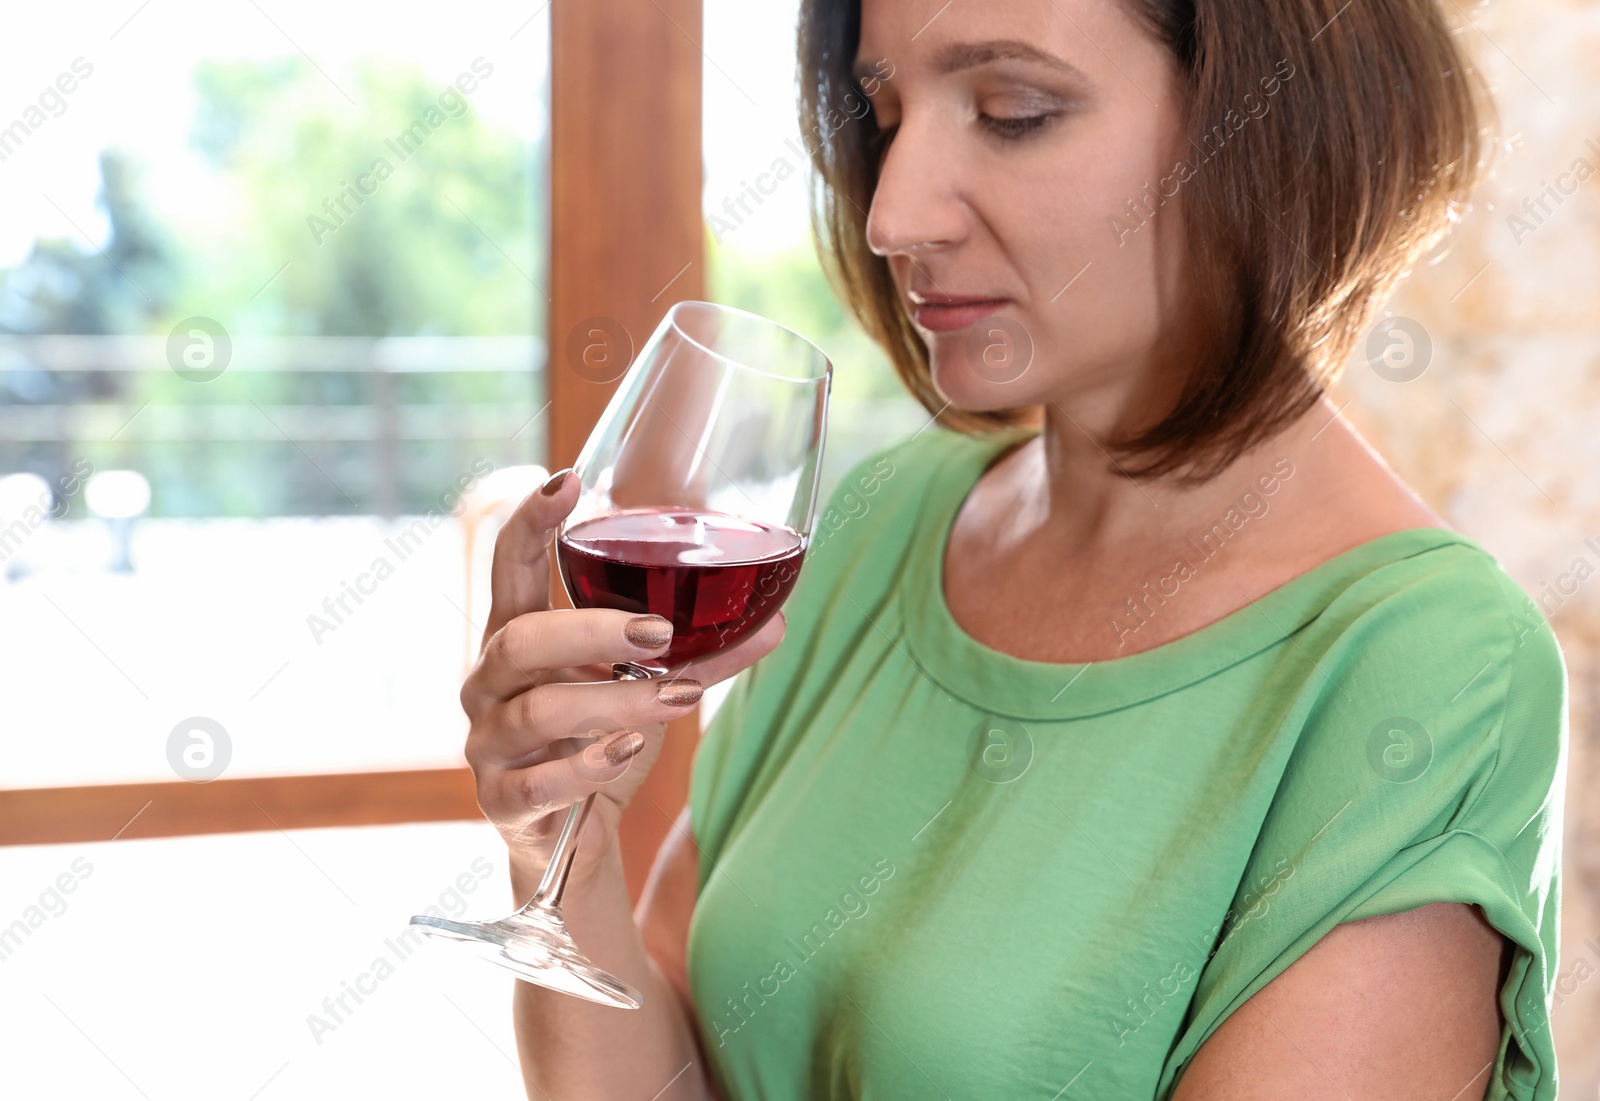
column 1137, row 732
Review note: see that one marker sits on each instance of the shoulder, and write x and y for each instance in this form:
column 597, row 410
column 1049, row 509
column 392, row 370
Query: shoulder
column 1439, row 694
column 1444, row 601
column 1423, row 737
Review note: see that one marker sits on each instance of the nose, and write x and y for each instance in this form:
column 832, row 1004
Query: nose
column 916, row 206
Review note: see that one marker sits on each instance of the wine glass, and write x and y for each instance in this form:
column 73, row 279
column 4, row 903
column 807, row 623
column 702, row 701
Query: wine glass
column 698, row 490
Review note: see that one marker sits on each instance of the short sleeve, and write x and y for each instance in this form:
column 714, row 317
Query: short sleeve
column 1430, row 767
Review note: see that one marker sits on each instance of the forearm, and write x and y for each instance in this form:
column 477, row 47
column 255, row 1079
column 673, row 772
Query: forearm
column 574, row 1048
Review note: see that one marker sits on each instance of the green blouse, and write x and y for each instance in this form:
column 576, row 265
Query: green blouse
column 931, row 869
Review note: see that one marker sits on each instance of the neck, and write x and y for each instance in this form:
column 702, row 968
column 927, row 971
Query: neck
column 1074, row 489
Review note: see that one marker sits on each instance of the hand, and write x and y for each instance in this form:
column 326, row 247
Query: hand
column 548, row 724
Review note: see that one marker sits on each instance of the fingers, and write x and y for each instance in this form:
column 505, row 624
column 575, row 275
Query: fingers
column 547, row 746
column 518, row 730
column 725, row 663
column 519, row 581
column 524, row 796
column 527, row 650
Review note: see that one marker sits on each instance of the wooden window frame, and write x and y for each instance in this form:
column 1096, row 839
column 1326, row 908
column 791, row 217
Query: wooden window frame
column 626, row 242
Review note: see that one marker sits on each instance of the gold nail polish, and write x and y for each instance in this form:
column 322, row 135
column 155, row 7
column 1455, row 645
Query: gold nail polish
column 680, row 693
column 623, row 746
column 553, row 486
column 650, row 632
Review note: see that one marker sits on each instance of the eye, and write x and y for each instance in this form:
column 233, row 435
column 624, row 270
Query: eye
column 1015, row 128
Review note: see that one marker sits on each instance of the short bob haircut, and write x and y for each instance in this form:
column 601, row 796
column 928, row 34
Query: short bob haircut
column 1297, row 231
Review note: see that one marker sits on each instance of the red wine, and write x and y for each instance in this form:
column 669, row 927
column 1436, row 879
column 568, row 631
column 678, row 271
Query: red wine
column 716, row 577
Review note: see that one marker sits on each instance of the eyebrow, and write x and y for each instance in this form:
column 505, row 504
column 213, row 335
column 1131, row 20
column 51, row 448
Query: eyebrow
column 967, row 55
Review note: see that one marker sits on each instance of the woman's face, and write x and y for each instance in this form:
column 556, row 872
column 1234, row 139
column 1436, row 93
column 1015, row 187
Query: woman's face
column 1017, row 134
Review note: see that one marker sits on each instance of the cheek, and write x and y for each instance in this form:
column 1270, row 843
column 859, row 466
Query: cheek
column 1071, row 203
column 1098, row 251
column 1115, row 205
column 1096, row 286
column 1115, row 313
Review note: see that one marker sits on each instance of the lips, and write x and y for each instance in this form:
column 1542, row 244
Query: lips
column 948, row 313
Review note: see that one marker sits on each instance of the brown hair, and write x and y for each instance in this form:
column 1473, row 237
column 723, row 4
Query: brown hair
column 1299, row 230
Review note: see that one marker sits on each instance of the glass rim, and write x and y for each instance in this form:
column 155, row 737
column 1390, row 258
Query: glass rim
column 826, row 374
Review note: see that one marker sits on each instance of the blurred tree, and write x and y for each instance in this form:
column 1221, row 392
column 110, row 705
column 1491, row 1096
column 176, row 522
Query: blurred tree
column 406, row 216
column 447, row 242
column 70, row 285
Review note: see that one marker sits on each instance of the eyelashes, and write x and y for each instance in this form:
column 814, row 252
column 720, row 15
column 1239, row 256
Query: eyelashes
column 1015, row 129
column 1007, row 129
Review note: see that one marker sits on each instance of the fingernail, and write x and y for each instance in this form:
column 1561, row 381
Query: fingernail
column 620, row 747
column 649, row 632
column 550, row 488
column 680, row 693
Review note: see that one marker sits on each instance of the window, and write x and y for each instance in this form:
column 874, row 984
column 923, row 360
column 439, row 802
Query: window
column 270, row 305
column 273, row 292
column 759, row 245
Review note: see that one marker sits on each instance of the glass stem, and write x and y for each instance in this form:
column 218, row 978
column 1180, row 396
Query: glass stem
column 554, row 882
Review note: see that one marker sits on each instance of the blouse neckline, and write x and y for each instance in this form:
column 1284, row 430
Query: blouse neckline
column 1024, row 689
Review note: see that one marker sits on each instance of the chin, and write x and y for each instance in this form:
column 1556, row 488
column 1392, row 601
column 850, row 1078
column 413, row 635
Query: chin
column 973, row 391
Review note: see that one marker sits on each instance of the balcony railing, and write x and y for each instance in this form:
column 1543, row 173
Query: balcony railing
column 335, row 424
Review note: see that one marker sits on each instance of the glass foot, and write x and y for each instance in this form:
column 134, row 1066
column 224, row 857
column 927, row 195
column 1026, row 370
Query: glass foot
column 536, row 947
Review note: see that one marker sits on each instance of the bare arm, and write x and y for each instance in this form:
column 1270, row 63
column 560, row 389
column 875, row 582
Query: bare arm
column 573, row 1048
column 541, row 681
column 1403, row 1006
